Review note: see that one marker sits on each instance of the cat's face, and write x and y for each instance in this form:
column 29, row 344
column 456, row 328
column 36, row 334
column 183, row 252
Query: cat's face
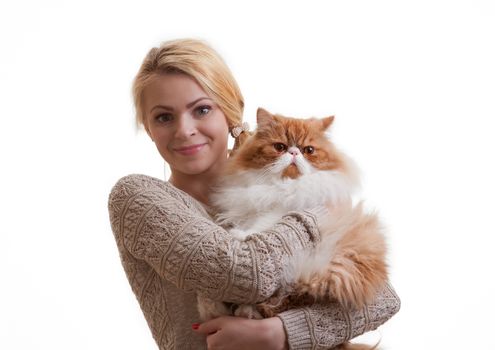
column 288, row 147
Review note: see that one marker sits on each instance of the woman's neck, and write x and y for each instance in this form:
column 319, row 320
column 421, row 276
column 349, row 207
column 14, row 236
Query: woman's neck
column 197, row 186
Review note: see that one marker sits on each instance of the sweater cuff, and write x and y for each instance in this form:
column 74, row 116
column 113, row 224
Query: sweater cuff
column 297, row 328
column 316, row 215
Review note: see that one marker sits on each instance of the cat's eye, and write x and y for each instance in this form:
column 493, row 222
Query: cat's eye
column 309, row 149
column 279, row 147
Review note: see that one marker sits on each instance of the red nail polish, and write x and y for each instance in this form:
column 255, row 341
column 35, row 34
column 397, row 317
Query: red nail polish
column 195, row 325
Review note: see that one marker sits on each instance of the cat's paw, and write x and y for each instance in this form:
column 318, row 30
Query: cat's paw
column 317, row 287
column 248, row 311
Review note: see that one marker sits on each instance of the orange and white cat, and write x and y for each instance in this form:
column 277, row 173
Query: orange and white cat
column 290, row 164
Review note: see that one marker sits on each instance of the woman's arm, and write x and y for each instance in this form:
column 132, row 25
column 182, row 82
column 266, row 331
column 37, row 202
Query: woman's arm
column 324, row 326
column 319, row 326
column 162, row 226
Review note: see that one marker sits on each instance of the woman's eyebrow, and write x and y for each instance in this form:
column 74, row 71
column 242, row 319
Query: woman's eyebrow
column 162, row 107
column 189, row 105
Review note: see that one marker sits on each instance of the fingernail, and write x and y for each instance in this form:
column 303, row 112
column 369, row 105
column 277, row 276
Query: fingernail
column 195, row 325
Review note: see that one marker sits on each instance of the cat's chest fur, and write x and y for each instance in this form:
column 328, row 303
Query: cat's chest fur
column 250, row 202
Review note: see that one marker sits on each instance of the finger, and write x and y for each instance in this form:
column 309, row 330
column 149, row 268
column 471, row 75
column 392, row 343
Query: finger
column 211, row 340
column 208, row 327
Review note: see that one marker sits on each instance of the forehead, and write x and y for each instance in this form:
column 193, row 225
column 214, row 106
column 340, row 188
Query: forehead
column 172, row 89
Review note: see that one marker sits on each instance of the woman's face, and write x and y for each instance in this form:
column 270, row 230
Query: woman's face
column 188, row 128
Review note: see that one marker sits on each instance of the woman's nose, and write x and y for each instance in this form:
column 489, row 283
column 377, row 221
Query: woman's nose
column 186, row 127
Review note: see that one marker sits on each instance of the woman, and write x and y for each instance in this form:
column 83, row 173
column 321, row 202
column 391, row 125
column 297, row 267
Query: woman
column 188, row 102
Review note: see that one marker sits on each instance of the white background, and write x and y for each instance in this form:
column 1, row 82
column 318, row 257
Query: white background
column 412, row 85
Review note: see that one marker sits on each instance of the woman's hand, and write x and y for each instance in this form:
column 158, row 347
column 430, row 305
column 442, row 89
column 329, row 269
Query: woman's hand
column 238, row 333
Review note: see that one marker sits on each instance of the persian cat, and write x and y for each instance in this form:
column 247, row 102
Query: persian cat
column 290, row 164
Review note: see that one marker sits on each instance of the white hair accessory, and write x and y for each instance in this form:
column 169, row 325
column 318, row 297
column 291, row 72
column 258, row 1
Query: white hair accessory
column 239, row 129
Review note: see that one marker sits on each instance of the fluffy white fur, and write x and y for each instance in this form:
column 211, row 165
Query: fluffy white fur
column 252, row 201
column 306, row 263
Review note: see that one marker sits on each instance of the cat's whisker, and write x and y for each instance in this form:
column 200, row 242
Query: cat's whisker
column 266, row 172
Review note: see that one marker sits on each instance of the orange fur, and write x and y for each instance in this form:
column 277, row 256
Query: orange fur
column 257, row 151
column 357, row 269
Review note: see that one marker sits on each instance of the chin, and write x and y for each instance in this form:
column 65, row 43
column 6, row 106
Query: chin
column 196, row 169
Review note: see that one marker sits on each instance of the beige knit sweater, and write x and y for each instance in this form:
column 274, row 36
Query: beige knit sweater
column 171, row 250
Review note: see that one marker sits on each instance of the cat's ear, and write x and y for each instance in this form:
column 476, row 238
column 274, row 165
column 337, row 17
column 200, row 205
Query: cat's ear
column 326, row 122
column 263, row 117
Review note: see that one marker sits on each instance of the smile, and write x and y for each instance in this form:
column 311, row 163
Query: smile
column 189, row 150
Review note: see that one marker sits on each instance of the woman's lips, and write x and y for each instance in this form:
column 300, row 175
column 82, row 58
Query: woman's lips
column 189, row 150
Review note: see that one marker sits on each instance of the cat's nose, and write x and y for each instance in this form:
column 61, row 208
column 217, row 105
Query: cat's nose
column 294, row 151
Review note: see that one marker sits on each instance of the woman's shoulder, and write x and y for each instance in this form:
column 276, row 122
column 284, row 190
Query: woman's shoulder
column 138, row 182
column 139, row 185
column 133, row 184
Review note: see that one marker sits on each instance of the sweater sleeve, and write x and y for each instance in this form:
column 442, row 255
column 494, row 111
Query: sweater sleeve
column 326, row 325
column 162, row 226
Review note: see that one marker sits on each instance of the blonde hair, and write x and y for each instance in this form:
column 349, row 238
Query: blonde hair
column 198, row 60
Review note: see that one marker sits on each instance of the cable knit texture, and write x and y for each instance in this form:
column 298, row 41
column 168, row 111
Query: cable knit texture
column 170, row 250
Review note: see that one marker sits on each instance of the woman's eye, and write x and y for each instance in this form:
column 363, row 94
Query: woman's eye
column 279, row 147
column 164, row 118
column 203, row 110
column 309, row 149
